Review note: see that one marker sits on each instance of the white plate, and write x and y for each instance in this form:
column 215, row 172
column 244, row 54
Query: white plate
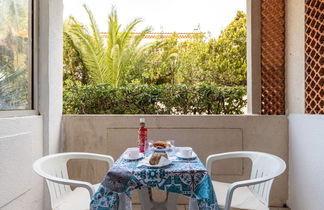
column 179, row 155
column 146, row 163
column 126, row 157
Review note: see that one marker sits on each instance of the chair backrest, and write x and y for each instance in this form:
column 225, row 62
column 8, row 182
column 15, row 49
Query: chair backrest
column 56, row 165
column 264, row 165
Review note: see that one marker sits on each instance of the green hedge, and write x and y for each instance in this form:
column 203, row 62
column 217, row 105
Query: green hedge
column 161, row 99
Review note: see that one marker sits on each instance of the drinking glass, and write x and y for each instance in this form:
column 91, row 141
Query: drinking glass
column 171, row 151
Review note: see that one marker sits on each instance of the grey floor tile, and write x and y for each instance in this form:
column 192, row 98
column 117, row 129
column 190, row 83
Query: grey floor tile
column 181, row 207
column 278, row 208
column 136, row 207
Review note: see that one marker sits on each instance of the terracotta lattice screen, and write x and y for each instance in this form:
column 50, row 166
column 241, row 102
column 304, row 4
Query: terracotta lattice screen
column 273, row 57
column 314, row 57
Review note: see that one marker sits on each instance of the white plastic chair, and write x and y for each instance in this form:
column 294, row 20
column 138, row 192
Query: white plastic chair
column 253, row 193
column 54, row 169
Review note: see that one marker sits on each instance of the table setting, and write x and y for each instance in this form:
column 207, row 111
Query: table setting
column 163, row 166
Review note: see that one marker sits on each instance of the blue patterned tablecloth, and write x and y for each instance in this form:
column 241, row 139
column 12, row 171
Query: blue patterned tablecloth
column 186, row 177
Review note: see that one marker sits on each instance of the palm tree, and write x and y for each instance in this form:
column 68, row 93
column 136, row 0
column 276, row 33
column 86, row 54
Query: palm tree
column 105, row 61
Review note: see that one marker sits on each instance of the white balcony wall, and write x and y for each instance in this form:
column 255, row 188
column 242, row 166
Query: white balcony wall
column 306, row 174
column 21, row 142
column 306, row 132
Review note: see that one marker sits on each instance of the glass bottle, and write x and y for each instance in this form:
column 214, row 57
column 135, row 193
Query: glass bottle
column 142, row 136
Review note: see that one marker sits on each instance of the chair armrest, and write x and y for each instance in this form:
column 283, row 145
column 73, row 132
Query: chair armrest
column 71, row 182
column 74, row 183
column 243, row 183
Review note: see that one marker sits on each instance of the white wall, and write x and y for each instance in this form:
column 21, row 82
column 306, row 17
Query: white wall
column 306, row 155
column 21, row 142
column 306, row 132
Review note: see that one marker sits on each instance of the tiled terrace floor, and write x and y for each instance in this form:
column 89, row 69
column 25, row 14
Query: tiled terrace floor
column 185, row 207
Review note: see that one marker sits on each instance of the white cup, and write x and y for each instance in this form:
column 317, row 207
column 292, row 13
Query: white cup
column 186, row 151
column 133, row 153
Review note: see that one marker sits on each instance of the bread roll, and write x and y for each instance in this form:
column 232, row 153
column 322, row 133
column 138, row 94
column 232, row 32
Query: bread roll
column 155, row 158
column 161, row 145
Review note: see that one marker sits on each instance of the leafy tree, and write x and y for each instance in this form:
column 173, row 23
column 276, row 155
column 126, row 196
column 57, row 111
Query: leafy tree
column 190, row 68
column 225, row 59
column 105, row 61
column 168, row 61
column 160, row 65
column 220, row 61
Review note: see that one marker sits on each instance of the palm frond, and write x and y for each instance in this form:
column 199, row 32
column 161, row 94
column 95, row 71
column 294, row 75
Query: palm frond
column 92, row 55
column 94, row 27
column 126, row 35
column 137, row 39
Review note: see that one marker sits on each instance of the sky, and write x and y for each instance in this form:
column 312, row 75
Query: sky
column 162, row 15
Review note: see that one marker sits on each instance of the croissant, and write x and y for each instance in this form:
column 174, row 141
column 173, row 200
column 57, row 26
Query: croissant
column 161, row 145
column 155, row 158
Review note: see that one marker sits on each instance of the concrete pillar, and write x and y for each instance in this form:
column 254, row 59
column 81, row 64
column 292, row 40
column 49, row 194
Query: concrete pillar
column 49, row 38
column 50, row 71
column 295, row 57
column 254, row 56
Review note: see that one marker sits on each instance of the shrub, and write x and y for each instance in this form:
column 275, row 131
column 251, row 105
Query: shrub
column 158, row 99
